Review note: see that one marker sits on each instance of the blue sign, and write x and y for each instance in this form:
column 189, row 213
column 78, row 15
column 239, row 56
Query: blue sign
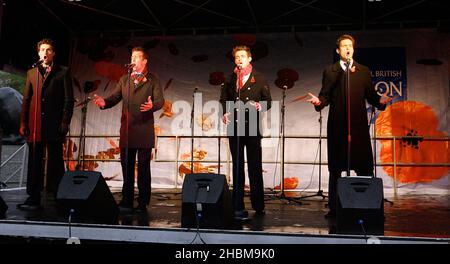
column 388, row 68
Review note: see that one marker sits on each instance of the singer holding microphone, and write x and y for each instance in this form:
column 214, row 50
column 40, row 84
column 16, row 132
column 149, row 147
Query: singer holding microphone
column 342, row 115
column 46, row 113
column 244, row 92
column 142, row 95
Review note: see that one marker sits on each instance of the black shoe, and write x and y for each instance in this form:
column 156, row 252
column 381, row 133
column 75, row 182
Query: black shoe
column 141, row 208
column 29, row 207
column 241, row 215
column 125, row 209
column 330, row 214
column 30, row 204
column 260, row 212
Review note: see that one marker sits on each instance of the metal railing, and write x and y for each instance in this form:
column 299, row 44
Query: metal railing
column 394, row 163
column 21, row 169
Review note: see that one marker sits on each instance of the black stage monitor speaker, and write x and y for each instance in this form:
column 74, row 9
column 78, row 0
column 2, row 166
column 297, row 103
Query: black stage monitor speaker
column 3, row 208
column 360, row 204
column 206, row 201
column 88, row 194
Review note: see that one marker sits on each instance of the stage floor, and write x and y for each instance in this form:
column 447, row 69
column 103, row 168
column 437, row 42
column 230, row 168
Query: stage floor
column 423, row 216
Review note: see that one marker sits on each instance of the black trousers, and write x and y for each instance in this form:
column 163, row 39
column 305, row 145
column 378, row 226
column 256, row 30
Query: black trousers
column 332, row 186
column 128, row 161
column 36, row 163
column 254, row 160
column 1, row 142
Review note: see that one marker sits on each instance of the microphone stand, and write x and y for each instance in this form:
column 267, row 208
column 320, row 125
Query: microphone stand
column 192, row 130
column 218, row 158
column 320, row 191
column 349, row 134
column 237, row 127
column 374, row 143
column 81, row 156
column 282, row 133
column 127, row 152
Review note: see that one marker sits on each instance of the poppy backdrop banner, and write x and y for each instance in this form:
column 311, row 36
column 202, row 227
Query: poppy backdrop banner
column 412, row 65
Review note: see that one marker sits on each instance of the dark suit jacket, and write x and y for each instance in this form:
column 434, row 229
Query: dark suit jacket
column 333, row 93
column 255, row 89
column 47, row 105
column 140, row 130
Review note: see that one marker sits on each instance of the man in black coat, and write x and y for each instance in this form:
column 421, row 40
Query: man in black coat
column 334, row 93
column 47, row 108
column 142, row 95
column 243, row 96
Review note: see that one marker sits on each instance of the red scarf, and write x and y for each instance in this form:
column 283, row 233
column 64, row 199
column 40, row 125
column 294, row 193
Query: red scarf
column 138, row 77
column 241, row 73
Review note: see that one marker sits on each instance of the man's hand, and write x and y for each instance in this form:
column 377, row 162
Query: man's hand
column 147, row 105
column 24, row 131
column 313, row 100
column 384, row 99
column 226, row 118
column 99, row 101
column 256, row 105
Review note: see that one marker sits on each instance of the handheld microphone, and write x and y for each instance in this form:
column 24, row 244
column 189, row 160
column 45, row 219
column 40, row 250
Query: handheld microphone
column 129, row 65
column 39, row 62
column 239, row 66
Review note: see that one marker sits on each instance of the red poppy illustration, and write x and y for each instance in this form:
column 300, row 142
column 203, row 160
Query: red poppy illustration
column 289, row 74
column 167, row 109
column 199, row 154
column 286, row 78
column 289, row 184
column 413, row 121
column 216, row 78
column 112, row 71
column 200, row 58
column 245, row 39
column 173, row 49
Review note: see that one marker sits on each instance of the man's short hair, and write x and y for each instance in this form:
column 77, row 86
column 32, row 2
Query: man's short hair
column 242, row 47
column 343, row 37
column 141, row 49
column 45, row 41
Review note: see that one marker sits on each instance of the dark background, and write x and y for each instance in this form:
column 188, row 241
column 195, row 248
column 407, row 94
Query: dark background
column 23, row 23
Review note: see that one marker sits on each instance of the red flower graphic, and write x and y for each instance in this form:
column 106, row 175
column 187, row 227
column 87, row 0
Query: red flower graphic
column 410, row 118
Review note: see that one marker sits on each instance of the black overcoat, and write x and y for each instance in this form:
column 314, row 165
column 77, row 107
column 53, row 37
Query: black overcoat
column 47, row 103
column 136, row 127
column 333, row 93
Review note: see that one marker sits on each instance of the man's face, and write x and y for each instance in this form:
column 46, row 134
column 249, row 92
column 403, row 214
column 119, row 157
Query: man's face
column 137, row 57
column 241, row 58
column 46, row 51
column 345, row 49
